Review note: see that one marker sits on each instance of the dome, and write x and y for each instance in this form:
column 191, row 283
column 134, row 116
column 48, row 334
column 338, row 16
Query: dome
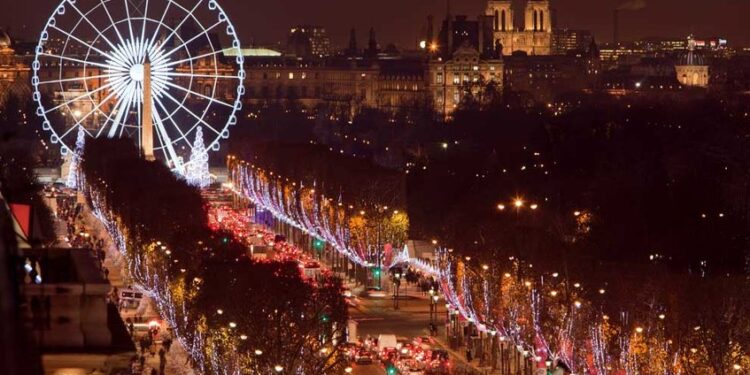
column 691, row 56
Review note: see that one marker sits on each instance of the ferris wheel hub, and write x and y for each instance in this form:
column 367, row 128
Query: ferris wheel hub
column 136, row 72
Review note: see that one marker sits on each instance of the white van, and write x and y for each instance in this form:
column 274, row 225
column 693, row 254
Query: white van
column 387, row 342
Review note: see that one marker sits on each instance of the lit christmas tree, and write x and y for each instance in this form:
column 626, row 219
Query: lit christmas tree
column 72, row 181
column 196, row 172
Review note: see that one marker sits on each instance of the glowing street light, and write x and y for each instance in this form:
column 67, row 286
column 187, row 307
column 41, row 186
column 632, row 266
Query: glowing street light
column 278, row 368
column 500, row 207
column 518, row 203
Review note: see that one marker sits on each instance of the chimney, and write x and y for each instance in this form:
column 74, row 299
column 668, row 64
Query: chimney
column 615, row 27
column 430, row 30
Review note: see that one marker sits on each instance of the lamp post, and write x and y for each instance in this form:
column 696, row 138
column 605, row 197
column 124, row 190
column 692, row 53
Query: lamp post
column 397, row 286
column 434, row 298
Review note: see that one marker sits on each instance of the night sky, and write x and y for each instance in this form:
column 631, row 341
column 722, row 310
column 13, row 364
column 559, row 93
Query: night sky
column 400, row 21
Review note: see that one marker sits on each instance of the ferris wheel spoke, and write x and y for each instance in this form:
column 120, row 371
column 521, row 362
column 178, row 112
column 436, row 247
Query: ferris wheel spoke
column 171, row 119
column 143, row 26
column 185, row 43
column 87, row 94
column 127, row 15
column 122, row 110
column 85, row 78
column 212, row 100
column 99, row 105
column 155, row 35
column 100, row 65
column 83, row 16
column 177, row 74
column 112, row 21
column 177, row 62
column 186, row 17
column 165, row 140
column 130, row 95
column 167, row 94
column 116, row 108
column 105, row 54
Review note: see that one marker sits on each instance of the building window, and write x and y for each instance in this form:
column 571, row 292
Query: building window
column 439, row 78
column 456, row 79
column 291, row 75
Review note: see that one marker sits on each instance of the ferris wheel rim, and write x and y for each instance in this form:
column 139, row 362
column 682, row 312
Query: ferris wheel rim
column 115, row 77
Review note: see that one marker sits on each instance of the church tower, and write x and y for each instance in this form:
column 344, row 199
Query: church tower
column 537, row 16
column 501, row 12
column 534, row 36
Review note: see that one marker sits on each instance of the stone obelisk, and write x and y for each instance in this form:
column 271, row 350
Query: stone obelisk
column 147, row 125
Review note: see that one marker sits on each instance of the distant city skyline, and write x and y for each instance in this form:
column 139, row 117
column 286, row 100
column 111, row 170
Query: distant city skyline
column 402, row 22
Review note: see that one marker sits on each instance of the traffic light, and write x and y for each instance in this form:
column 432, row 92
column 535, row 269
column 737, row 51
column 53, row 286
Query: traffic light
column 376, row 271
column 318, row 244
column 391, row 370
column 324, row 318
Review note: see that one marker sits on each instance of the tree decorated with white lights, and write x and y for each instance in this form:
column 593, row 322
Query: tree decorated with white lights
column 72, row 181
column 196, row 171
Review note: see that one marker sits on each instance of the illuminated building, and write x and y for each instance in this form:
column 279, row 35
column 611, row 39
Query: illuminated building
column 564, row 40
column 14, row 72
column 692, row 69
column 534, row 37
column 308, row 41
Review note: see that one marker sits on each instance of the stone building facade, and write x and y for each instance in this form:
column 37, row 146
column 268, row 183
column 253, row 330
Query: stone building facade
column 534, row 36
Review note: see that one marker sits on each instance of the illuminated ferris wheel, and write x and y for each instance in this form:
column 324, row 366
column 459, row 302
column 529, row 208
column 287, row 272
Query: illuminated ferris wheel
column 104, row 65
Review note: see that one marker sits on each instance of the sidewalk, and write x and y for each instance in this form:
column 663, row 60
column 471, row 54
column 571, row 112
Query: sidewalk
column 460, row 356
column 176, row 357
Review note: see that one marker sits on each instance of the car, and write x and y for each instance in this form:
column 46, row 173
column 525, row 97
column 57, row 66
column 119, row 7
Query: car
column 424, row 342
column 375, row 293
column 363, row 358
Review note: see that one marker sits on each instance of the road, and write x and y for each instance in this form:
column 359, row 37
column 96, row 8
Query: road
column 377, row 316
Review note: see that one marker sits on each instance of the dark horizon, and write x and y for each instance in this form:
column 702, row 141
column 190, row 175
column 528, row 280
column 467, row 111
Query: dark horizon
column 401, row 23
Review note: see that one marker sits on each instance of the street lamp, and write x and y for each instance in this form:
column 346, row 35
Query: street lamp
column 278, row 368
column 397, row 284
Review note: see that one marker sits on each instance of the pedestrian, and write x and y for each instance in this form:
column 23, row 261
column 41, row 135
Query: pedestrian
column 142, row 360
column 167, row 343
